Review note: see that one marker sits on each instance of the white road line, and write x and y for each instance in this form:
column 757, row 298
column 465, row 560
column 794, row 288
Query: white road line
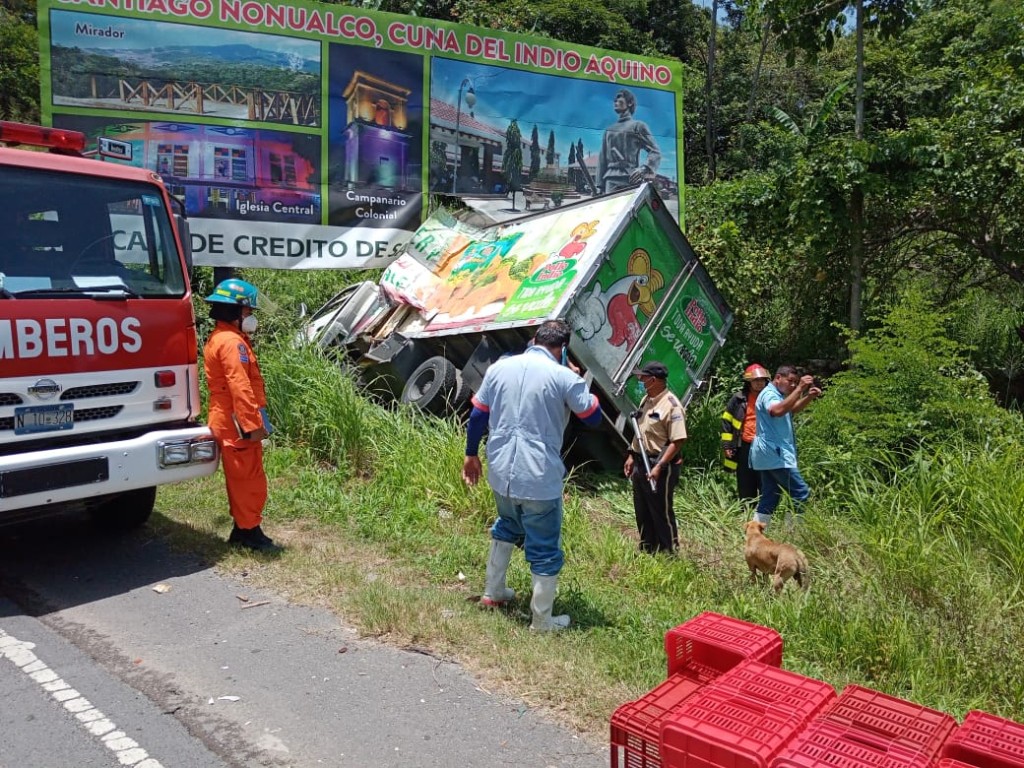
column 126, row 750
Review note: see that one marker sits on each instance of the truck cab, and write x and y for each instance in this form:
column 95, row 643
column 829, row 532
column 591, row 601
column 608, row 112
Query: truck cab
column 99, row 387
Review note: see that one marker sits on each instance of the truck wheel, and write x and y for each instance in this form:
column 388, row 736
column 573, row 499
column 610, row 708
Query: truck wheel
column 431, row 387
column 462, row 393
column 126, row 510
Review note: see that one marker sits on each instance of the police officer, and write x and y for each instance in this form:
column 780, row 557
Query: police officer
column 238, row 409
column 662, row 424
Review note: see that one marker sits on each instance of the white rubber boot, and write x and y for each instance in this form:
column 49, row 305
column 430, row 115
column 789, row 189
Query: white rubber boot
column 496, row 593
column 544, row 588
column 762, row 518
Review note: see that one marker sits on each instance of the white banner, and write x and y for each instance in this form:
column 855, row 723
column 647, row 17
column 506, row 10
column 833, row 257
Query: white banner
column 276, row 245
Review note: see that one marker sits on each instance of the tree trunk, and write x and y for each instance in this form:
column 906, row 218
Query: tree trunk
column 856, row 256
column 765, row 37
column 857, row 195
column 709, row 132
column 858, row 126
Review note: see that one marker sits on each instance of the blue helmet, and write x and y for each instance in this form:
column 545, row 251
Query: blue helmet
column 234, row 291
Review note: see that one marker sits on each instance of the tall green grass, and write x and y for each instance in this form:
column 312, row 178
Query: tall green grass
column 917, row 555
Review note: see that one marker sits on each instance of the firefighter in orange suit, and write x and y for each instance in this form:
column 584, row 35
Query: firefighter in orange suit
column 238, row 409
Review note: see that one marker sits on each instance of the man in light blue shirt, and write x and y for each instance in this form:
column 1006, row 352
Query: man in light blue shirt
column 525, row 401
column 773, row 452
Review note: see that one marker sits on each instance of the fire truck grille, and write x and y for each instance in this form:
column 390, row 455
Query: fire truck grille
column 10, row 398
column 100, row 390
column 95, row 414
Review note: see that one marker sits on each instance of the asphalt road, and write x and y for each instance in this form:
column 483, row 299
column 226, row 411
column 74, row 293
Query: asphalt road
column 98, row 669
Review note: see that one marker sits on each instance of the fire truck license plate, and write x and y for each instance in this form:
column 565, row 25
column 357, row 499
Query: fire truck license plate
column 43, row 418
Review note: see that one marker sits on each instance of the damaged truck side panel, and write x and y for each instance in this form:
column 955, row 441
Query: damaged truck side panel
column 616, row 267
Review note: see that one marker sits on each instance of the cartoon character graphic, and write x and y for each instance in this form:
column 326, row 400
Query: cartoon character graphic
column 485, row 275
column 608, row 319
column 578, row 240
column 640, row 285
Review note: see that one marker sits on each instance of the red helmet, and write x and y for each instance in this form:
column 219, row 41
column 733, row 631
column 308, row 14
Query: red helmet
column 756, row 371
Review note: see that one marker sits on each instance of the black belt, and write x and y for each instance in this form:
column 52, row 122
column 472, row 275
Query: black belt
column 638, row 455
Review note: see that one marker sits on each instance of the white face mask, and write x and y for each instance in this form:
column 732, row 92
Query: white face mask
column 249, row 324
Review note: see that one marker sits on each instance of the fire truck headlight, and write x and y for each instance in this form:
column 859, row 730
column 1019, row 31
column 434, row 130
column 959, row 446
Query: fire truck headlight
column 170, row 454
column 175, row 453
column 204, row 451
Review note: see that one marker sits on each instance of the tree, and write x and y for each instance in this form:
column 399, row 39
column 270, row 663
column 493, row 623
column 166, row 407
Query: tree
column 512, row 160
column 438, row 162
column 815, row 28
column 709, row 101
column 19, row 66
column 964, row 148
column 534, row 154
column 551, row 149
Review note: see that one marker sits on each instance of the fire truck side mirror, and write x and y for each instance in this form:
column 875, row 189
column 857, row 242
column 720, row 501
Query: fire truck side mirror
column 184, row 234
column 181, row 222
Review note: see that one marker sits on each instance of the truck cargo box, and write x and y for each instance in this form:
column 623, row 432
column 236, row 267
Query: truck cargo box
column 616, row 267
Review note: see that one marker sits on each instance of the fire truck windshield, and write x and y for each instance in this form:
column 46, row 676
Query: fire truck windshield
column 65, row 235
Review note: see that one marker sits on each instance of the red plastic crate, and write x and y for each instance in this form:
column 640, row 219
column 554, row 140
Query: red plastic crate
column 710, row 644
column 903, row 723
column 987, row 741
column 827, row 744
column 743, row 719
column 636, row 726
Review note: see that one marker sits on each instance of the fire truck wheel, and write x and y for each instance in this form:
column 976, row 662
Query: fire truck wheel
column 126, row 510
column 431, row 386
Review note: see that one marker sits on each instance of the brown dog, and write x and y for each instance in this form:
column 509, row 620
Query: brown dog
column 781, row 561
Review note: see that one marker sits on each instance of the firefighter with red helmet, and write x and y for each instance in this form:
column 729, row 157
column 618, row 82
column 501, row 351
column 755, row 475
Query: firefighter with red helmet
column 238, row 409
column 739, row 423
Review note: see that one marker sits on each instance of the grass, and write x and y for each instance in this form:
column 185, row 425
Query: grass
column 916, row 567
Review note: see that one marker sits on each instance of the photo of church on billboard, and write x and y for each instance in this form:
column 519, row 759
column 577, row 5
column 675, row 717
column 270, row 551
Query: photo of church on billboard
column 223, row 172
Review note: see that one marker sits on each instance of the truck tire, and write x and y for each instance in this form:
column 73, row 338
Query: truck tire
column 462, row 393
column 126, row 511
column 432, row 386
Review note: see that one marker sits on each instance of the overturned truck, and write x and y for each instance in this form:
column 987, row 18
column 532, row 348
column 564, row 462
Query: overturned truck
column 460, row 297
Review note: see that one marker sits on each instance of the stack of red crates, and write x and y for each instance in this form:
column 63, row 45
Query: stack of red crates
column 868, row 729
column 986, row 741
column 709, row 644
column 743, row 719
column 728, row 704
column 698, row 651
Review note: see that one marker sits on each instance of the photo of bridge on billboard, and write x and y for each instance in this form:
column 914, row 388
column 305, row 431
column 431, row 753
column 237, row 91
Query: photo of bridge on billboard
column 147, row 66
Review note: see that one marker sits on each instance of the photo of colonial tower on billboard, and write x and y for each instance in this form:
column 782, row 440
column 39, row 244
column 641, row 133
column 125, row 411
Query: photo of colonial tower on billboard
column 375, row 125
column 376, row 146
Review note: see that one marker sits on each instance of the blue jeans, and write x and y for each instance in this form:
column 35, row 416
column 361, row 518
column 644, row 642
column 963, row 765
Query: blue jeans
column 773, row 481
column 534, row 525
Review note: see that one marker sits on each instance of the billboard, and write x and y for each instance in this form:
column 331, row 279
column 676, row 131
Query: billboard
column 305, row 136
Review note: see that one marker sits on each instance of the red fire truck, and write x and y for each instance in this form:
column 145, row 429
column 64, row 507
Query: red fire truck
column 99, row 386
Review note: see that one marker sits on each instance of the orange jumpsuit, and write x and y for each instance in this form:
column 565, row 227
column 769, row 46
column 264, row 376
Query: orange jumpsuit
column 236, row 390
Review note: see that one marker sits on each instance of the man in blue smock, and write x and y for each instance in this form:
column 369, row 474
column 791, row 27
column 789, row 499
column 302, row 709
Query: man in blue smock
column 525, row 401
column 773, row 452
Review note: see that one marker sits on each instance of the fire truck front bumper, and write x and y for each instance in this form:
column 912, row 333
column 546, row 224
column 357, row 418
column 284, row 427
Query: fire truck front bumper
column 79, row 473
